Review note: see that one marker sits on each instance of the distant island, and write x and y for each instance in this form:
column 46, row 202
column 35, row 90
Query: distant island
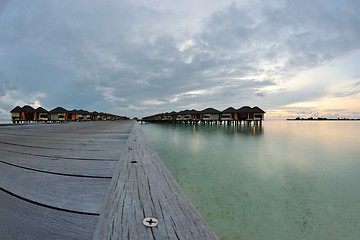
column 322, row 119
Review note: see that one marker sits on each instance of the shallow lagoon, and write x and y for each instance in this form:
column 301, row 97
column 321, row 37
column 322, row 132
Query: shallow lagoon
column 281, row 180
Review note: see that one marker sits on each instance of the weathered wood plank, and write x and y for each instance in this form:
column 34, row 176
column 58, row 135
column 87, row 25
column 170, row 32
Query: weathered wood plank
column 143, row 187
column 81, row 194
column 84, row 144
column 23, row 220
column 54, row 178
column 54, row 183
column 80, row 167
column 72, row 153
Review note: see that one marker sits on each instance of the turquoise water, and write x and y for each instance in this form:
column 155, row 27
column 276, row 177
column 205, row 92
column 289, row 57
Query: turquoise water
column 281, row 180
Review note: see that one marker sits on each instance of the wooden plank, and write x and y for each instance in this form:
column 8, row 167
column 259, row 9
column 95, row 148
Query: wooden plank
column 143, row 187
column 94, row 143
column 89, row 154
column 94, row 168
column 23, row 220
column 54, row 177
column 81, row 194
column 54, row 183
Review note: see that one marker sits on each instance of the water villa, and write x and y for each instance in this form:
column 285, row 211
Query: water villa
column 58, row 114
column 210, row 115
column 230, row 115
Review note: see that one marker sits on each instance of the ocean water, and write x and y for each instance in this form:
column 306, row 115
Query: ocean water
column 5, row 121
column 281, row 180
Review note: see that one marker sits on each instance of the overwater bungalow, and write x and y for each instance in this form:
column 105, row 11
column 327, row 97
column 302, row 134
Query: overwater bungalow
column 188, row 116
column 95, row 116
column 165, row 117
column 194, row 115
column 58, row 114
column 210, row 114
column 86, row 115
column 258, row 113
column 156, row 117
column 111, row 117
column 101, row 116
column 229, row 114
column 72, row 115
column 28, row 112
column 244, row 113
column 16, row 114
column 173, row 115
column 41, row 115
column 249, row 114
column 83, row 115
column 180, row 116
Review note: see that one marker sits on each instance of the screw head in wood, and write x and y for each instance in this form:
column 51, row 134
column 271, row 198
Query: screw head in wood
column 150, row 222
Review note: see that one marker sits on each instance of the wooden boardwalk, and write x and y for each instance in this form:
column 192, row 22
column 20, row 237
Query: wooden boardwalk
column 93, row 180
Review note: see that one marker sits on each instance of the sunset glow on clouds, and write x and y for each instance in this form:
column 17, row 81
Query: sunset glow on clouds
column 136, row 58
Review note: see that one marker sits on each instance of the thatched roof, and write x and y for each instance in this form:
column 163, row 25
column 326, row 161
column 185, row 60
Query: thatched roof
column 193, row 111
column 245, row 109
column 210, row 111
column 28, row 109
column 81, row 111
column 41, row 110
column 229, row 110
column 59, row 110
column 17, row 109
column 256, row 109
column 183, row 112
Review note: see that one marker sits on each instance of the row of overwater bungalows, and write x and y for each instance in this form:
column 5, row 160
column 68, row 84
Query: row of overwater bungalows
column 58, row 114
column 209, row 115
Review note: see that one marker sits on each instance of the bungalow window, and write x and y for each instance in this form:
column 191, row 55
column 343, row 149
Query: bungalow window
column 43, row 115
column 61, row 116
column 226, row 116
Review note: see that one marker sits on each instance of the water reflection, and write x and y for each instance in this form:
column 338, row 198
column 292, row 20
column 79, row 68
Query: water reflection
column 243, row 129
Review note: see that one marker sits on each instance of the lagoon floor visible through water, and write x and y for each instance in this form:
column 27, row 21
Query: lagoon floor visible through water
column 281, row 180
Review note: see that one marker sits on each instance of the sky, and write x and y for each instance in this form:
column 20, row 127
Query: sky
column 141, row 57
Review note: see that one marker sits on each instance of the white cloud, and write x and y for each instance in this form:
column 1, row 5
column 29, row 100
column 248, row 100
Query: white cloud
column 153, row 102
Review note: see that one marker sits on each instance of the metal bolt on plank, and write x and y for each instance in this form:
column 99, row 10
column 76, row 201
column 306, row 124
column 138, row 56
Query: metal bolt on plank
column 150, row 222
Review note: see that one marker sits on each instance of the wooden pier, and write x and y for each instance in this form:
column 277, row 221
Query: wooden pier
column 89, row 180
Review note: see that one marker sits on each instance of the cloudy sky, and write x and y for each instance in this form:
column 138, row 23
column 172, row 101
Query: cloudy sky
column 141, row 57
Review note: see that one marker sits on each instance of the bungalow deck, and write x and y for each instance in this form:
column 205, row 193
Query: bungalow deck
column 90, row 180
